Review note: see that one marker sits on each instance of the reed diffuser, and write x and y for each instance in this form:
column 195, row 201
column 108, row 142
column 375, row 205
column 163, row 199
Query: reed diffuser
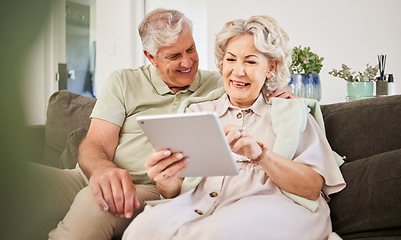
column 381, row 83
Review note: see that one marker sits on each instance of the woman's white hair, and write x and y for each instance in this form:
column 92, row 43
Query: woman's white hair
column 269, row 39
column 161, row 28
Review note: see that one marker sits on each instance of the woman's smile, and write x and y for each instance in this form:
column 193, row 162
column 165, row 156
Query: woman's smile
column 239, row 84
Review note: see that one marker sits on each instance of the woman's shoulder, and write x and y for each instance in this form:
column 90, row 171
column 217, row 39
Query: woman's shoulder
column 204, row 106
column 208, row 106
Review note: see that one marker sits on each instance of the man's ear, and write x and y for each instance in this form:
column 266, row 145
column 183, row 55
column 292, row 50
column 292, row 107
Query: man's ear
column 150, row 57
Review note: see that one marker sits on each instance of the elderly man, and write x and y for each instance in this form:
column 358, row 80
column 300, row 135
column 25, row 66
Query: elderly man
column 112, row 156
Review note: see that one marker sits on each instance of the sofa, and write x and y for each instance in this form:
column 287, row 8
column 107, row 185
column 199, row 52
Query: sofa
column 366, row 132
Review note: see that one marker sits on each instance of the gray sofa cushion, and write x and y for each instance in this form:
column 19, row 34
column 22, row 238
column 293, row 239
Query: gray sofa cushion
column 69, row 157
column 363, row 128
column 66, row 112
column 368, row 133
column 372, row 198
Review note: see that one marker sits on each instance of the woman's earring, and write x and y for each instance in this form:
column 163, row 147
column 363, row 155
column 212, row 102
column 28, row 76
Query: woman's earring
column 271, row 82
column 272, row 76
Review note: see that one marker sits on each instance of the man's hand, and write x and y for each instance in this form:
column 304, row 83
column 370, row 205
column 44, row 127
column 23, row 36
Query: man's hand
column 282, row 93
column 114, row 191
column 111, row 186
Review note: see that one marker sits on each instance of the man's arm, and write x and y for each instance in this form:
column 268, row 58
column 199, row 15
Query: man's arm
column 111, row 186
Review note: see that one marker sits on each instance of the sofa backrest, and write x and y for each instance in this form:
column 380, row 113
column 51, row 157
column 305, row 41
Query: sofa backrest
column 364, row 128
column 355, row 129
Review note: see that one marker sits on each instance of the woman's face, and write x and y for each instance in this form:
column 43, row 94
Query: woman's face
column 244, row 70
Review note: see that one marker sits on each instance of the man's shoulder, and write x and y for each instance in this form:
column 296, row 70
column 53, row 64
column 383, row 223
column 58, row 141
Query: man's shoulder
column 137, row 70
column 130, row 76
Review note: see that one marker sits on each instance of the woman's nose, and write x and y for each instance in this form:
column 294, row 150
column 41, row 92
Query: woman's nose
column 239, row 69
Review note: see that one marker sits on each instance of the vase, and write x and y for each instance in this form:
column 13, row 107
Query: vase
column 306, row 86
column 359, row 90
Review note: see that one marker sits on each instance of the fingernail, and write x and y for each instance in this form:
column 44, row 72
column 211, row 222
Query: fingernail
column 128, row 215
column 179, row 156
column 186, row 160
column 167, row 153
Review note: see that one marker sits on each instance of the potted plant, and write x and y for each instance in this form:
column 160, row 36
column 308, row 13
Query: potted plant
column 305, row 69
column 359, row 85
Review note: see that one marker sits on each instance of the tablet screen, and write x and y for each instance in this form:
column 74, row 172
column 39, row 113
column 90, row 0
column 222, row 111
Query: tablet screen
column 198, row 136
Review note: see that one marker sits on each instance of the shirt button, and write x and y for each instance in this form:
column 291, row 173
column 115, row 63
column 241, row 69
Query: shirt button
column 198, row 211
column 239, row 115
column 213, row 194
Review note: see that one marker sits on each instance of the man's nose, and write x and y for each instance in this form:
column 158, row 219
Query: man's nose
column 186, row 61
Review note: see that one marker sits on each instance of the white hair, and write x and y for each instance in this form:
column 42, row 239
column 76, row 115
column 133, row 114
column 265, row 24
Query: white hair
column 161, row 28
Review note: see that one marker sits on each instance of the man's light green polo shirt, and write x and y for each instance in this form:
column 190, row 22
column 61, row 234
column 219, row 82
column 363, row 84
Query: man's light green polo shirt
column 129, row 93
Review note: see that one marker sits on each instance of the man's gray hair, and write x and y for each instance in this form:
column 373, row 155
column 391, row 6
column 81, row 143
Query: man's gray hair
column 161, row 28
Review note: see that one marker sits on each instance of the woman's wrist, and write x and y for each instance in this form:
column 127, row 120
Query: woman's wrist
column 171, row 189
column 264, row 149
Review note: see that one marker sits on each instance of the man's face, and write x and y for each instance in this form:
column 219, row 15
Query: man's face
column 178, row 63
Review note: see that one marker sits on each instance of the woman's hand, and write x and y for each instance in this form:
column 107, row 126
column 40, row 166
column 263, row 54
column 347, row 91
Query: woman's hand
column 241, row 142
column 164, row 168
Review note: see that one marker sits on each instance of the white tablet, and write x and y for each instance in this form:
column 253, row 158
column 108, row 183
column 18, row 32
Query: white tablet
column 198, row 136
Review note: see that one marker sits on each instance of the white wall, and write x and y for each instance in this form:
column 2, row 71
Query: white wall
column 34, row 91
column 353, row 32
column 41, row 64
column 342, row 31
column 116, row 33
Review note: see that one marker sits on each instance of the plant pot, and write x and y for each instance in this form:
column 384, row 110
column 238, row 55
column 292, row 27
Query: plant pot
column 359, row 90
column 306, row 86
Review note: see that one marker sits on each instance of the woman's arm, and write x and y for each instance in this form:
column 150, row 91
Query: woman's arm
column 293, row 177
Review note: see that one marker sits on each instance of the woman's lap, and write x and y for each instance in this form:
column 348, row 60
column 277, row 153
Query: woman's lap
column 253, row 217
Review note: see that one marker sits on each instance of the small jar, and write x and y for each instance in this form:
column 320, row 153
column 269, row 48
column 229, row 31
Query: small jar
column 381, row 86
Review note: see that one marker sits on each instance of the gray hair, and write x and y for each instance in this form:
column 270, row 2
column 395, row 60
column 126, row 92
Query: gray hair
column 161, row 28
column 269, row 39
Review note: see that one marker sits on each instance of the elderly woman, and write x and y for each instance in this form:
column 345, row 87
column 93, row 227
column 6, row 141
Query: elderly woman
column 269, row 198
